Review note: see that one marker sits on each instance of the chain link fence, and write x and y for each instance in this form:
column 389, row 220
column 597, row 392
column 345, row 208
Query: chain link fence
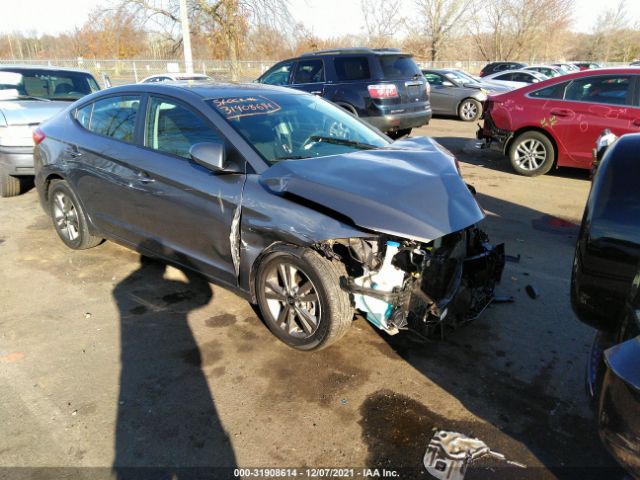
column 121, row 72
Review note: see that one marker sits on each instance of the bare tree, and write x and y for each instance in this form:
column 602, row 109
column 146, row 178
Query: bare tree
column 440, row 19
column 226, row 20
column 509, row 29
column 382, row 20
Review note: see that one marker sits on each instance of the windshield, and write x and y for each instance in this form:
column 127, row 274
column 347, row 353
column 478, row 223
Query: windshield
column 460, row 78
column 281, row 126
column 45, row 84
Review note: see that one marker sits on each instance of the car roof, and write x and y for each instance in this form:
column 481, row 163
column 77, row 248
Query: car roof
column 203, row 88
column 358, row 50
column 518, row 70
column 7, row 66
column 540, row 66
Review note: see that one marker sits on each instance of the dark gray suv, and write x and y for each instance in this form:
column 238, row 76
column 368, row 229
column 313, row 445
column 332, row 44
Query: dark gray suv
column 384, row 87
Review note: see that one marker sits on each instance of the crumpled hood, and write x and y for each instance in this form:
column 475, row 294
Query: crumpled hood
column 410, row 189
column 28, row 112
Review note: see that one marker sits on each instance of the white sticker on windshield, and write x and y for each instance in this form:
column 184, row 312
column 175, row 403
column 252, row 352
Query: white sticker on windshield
column 236, row 107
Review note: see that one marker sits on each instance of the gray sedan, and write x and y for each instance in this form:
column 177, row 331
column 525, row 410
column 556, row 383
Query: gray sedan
column 452, row 93
column 275, row 194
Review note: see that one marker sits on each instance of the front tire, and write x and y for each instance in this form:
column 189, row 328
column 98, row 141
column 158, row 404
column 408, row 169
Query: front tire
column 69, row 219
column 532, row 154
column 300, row 298
column 469, row 110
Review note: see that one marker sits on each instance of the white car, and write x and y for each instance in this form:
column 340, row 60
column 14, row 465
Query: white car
column 548, row 70
column 515, row 78
column 175, row 77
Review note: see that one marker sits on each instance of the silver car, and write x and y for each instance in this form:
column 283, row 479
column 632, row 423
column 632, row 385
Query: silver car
column 456, row 93
column 28, row 96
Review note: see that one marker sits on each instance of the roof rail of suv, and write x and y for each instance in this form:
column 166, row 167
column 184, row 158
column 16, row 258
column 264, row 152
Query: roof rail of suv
column 344, row 51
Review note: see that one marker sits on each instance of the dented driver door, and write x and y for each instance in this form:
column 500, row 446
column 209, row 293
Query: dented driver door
column 182, row 210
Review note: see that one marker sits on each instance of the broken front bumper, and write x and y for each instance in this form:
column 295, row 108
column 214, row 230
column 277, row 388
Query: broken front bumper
column 447, row 283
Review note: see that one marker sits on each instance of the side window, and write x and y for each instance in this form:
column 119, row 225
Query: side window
column 523, row 77
column 83, row 115
column 278, row 75
column 551, row 92
column 113, row 117
column 352, row 68
column 309, row 71
column 173, row 129
column 505, row 76
column 433, row 78
column 610, row 89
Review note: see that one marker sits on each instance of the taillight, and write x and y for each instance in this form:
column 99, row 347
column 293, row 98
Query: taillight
column 481, row 74
column 38, row 136
column 384, row 90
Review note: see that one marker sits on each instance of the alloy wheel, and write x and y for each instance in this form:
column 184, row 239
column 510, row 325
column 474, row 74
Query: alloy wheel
column 469, row 110
column 530, row 154
column 292, row 299
column 65, row 216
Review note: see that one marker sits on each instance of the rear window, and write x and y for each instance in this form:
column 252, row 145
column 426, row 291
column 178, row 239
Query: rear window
column 352, row 68
column 553, row 91
column 398, row 66
column 52, row 84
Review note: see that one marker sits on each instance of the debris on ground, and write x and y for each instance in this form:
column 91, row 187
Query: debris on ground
column 449, row 454
column 532, row 291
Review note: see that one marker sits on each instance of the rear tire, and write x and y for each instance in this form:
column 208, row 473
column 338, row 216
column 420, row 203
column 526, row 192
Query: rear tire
column 469, row 110
column 300, row 298
column 69, row 219
column 10, row 186
column 531, row 154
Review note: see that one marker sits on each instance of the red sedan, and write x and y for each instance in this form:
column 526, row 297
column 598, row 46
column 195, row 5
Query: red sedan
column 557, row 121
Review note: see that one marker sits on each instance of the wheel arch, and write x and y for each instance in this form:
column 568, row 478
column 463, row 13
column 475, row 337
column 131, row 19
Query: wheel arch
column 255, row 266
column 46, row 185
column 348, row 107
column 517, row 133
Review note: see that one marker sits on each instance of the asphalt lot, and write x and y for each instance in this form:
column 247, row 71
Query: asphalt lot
column 107, row 361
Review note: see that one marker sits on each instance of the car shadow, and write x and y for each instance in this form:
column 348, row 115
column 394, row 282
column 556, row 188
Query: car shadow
column 463, row 148
column 518, row 369
column 167, row 423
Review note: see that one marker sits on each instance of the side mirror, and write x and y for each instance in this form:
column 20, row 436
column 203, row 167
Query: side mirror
column 210, row 155
column 446, row 83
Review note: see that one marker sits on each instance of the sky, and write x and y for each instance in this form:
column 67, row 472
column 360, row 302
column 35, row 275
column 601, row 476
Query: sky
column 325, row 18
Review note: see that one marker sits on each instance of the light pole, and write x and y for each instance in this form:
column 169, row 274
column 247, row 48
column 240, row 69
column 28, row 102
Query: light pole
column 186, row 37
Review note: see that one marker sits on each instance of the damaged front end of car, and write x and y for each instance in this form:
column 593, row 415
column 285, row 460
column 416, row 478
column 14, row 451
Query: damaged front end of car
column 408, row 285
column 418, row 261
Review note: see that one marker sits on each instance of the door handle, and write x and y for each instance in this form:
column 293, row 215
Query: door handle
column 560, row 112
column 317, row 92
column 73, row 151
column 143, row 177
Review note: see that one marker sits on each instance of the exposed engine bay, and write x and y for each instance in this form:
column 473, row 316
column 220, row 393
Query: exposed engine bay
column 401, row 284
